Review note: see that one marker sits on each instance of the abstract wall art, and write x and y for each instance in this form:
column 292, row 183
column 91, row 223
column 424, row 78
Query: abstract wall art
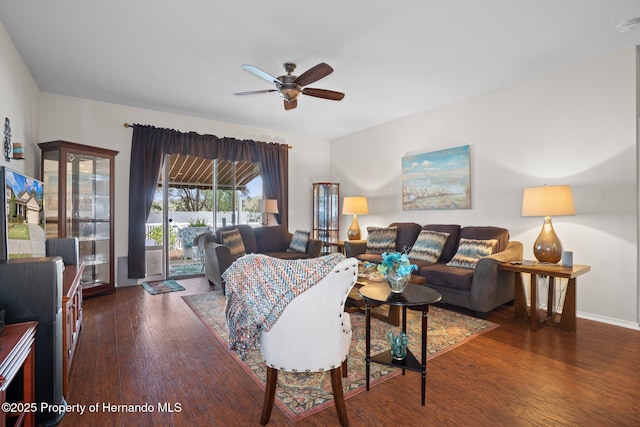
column 437, row 180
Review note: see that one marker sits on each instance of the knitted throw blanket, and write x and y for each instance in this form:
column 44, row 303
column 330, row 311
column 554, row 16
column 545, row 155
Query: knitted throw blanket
column 259, row 287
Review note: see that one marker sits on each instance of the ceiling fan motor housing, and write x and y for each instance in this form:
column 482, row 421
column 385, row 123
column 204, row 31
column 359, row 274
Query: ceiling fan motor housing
column 288, row 89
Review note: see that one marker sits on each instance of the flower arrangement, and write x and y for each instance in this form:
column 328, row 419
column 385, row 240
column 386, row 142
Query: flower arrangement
column 396, row 264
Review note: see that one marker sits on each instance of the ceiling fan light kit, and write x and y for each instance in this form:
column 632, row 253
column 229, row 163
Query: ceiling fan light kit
column 289, row 86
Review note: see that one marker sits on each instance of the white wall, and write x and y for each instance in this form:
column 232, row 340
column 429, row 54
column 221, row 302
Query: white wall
column 18, row 102
column 575, row 127
column 101, row 124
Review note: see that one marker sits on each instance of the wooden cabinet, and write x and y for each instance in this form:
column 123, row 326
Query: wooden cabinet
column 78, row 201
column 326, row 211
column 72, row 315
column 17, row 357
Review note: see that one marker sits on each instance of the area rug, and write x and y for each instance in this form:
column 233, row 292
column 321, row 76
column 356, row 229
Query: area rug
column 162, row 286
column 302, row 394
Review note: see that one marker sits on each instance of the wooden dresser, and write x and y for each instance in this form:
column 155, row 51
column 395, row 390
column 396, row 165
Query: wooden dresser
column 72, row 314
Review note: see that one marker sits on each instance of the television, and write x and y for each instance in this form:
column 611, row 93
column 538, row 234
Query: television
column 22, row 225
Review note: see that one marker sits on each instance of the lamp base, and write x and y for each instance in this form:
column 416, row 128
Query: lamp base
column 269, row 220
column 354, row 229
column 547, row 247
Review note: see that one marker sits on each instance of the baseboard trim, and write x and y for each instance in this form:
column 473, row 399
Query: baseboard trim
column 609, row 320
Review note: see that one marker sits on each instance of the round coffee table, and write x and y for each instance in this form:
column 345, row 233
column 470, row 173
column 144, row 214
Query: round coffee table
column 414, row 297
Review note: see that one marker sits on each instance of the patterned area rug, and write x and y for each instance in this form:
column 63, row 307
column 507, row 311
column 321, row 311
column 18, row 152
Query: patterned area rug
column 302, row 394
column 162, row 287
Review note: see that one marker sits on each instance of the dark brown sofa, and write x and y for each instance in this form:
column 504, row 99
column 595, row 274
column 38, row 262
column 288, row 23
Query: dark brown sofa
column 272, row 241
column 481, row 289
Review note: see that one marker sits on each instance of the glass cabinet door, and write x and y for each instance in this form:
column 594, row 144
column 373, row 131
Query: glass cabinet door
column 326, row 220
column 88, row 214
column 78, row 189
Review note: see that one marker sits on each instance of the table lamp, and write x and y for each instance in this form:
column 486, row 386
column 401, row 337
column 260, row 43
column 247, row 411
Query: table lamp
column 271, row 208
column 354, row 206
column 548, row 201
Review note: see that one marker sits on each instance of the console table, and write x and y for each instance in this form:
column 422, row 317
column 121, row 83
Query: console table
column 414, row 297
column 568, row 317
column 17, row 352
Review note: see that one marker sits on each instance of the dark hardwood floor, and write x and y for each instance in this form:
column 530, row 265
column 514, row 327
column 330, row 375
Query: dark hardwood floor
column 136, row 348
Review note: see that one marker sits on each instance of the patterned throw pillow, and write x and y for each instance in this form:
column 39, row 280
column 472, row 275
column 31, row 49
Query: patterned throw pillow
column 428, row 246
column 299, row 241
column 470, row 251
column 381, row 239
column 233, row 240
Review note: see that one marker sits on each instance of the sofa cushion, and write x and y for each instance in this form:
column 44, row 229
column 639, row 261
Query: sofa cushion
column 451, row 244
column 450, row 277
column 470, row 251
column 428, row 246
column 487, row 233
column 272, row 239
column 247, row 233
column 299, row 241
column 381, row 239
column 406, row 235
column 233, row 240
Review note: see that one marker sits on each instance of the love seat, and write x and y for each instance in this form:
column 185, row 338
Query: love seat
column 464, row 276
column 275, row 241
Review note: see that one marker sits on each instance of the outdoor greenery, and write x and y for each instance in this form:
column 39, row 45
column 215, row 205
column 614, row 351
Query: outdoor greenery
column 199, row 200
column 18, row 232
column 155, row 233
column 198, row 223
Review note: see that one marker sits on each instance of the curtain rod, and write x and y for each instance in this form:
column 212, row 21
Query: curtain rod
column 127, row 125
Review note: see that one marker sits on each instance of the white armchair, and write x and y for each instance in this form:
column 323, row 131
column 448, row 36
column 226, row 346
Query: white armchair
column 312, row 334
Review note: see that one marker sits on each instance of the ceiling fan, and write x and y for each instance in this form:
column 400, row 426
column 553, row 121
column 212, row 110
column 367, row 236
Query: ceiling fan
column 290, row 86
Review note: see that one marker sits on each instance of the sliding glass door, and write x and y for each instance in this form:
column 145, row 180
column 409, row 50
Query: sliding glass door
column 200, row 195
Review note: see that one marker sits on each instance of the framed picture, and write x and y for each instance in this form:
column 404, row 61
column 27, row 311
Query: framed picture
column 22, row 233
column 437, row 180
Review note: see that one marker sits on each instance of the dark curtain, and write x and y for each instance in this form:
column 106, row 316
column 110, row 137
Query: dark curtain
column 274, row 167
column 150, row 144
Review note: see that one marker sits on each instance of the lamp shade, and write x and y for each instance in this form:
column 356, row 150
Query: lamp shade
column 355, row 205
column 550, row 200
column 271, row 206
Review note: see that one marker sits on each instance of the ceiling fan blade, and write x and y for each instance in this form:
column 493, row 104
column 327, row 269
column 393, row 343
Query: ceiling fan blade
column 290, row 105
column 259, row 73
column 255, row 92
column 323, row 93
column 314, row 74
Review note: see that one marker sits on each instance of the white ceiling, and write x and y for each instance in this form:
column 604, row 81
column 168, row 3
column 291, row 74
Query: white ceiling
column 392, row 58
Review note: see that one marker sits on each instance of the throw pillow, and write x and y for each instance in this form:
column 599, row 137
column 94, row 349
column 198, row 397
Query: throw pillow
column 299, row 241
column 470, row 251
column 381, row 239
column 233, row 240
column 428, row 246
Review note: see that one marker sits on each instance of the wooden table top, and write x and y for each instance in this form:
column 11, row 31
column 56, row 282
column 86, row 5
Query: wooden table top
column 556, row 270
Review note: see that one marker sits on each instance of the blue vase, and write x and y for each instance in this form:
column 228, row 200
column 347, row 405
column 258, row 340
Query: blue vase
column 398, row 344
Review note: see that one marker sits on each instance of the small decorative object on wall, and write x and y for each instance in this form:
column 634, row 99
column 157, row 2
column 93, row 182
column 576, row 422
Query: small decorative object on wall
column 18, row 151
column 437, row 180
column 7, row 139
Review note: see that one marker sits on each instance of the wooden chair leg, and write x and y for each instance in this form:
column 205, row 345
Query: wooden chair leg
column 345, row 374
column 338, row 396
column 269, row 395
